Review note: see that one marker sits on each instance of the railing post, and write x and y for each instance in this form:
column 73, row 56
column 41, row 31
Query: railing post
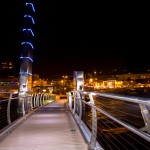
column 146, row 117
column 70, row 100
column 76, row 97
column 41, row 99
column 31, row 102
column 80, row 109
column 8, row 109
column 23, row 106
column 34, row 100
column 37, row 100
column 74, row 108
column 94, row 124
column 46, row 99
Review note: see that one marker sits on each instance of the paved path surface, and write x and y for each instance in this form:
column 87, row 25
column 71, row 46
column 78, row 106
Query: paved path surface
column 51, row 127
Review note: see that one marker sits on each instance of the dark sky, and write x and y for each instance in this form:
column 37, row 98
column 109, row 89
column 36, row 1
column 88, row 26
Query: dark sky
column 69, row 39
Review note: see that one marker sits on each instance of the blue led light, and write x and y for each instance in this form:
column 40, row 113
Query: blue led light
column 31, row 6
column 30, row 17
column 26, row 58
column 26, row 73
column 29, row 30
column 27, row 43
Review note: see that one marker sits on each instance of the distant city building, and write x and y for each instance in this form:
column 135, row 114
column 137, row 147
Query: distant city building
column 132, row 76
column 6, row 65
column 8, row 68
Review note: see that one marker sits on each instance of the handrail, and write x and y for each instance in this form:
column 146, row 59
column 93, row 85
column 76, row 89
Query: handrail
column 134, row 99
column 25, row 105
column 76, row 101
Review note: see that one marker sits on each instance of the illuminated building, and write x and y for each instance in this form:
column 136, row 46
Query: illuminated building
column 6, row 65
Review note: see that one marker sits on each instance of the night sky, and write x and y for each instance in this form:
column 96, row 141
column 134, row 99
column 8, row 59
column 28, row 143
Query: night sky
column 69, row 39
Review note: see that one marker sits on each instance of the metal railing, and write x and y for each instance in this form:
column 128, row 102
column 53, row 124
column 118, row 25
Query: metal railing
column 108, row 121
column 111, row 121
column 13, row 107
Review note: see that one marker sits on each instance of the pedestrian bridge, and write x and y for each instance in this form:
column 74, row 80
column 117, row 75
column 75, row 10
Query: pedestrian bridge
column 82, row 120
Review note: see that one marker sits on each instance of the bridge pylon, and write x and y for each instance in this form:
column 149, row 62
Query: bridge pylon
column 26, row 58
column 78, row 80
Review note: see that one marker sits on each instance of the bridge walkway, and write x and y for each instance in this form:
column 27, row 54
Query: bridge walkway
column 50, row 127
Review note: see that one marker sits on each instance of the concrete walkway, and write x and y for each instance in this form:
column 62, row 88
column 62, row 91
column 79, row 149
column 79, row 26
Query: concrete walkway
column 51, row 127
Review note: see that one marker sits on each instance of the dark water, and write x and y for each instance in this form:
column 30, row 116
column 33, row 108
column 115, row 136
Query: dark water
column 112, row 135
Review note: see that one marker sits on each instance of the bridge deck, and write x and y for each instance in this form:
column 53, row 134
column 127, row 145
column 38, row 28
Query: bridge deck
column 51, row 127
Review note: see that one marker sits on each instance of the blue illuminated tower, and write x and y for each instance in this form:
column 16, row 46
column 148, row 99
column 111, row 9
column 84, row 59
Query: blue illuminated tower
column 27, row 48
